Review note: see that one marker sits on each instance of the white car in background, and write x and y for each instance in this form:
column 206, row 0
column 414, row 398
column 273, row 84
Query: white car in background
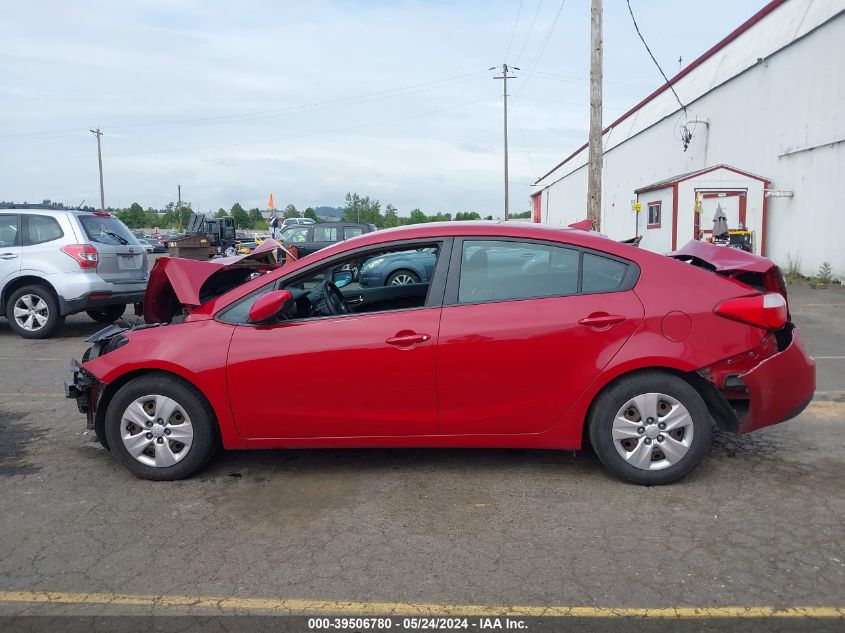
column 57, row 262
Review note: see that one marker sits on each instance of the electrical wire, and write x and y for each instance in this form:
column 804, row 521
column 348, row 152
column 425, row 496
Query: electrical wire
column 513, row 32
column 530, row 31
column 642, row 39
column 245, row 116
column 542, row 48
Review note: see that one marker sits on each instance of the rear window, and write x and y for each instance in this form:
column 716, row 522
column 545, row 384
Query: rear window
column 40, row 229
column 106, row 229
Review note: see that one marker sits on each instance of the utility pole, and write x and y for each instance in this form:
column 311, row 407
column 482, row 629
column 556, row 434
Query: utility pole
column 179, row 196
column 504, row 77
column 98, row 134
column 595, row 159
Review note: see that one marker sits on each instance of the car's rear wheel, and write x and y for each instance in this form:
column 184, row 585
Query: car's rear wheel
column 650, row 428
column 402, row 278
column 33, row 312
column 161, row 427
column 109, row 314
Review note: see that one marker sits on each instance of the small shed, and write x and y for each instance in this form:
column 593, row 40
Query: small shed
column 674, row 210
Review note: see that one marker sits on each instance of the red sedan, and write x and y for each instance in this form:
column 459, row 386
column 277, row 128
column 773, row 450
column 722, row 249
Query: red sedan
column 523, row 336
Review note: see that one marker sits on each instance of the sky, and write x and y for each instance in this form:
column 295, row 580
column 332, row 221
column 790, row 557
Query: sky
column 311, row 100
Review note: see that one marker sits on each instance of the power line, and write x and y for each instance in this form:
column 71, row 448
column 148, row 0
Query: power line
column 513, row 32
column 642, row 39
column 542, row 48
column 530, row 31
column 208, row 120
column 310, row 134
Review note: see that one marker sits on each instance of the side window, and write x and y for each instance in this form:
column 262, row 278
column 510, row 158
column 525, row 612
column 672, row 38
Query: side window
column 352, row 231
column 295, row 235
column 501, row 271
column 325, row 234
column 602, row 274
column 9, row 230
column 40, row 229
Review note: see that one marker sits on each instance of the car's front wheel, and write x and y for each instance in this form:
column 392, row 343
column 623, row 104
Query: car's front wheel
column 109, row 314
column 402, row 278
column 650, row 428
column 33, row 312
column 161, row 427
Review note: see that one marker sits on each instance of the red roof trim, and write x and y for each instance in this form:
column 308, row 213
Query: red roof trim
column 665, row 184
column 742, row 28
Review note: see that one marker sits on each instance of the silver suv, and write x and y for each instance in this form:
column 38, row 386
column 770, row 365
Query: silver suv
column 58, row 262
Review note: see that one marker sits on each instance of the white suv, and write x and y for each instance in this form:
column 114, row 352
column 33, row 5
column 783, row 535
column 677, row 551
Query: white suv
column 58, row 262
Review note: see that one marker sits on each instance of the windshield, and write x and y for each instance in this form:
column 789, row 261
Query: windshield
column 106, row 229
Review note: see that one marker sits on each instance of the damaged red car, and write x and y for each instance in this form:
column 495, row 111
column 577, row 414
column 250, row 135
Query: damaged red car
column 522, row 336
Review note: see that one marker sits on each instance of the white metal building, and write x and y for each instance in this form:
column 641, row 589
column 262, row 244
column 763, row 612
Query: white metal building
column 766, row 109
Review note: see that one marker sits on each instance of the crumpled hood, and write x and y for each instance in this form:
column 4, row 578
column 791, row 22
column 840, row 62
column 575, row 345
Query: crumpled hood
column 175, row 281
column 722, row 259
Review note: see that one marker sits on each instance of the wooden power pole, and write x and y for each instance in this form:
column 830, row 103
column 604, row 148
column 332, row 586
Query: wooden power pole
column 595, row 159
column 504, row 77
column 98, row 134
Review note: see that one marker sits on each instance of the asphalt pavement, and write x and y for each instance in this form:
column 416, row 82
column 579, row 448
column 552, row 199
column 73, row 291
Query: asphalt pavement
column 758, row 526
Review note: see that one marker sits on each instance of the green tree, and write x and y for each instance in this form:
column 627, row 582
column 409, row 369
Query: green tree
column 489, row 217
column 134, row 216
column 256, row 220
column 221, row 213
column 467, row 215
column 151, row 218
column 240, row 216
column 291, row 212
column 310, row 213
column 391, row 216
column 183, row 215
column 418, row 217
column 360, row 209
column 169, row 219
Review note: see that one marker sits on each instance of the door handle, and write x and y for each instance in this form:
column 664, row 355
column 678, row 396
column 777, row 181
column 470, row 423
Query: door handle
column 407, row 339
column 601, row 320
column 8, row 255
column 353, row 300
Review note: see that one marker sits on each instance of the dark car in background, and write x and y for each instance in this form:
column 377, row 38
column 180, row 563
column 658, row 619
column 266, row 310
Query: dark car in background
column 399, row 269
column 310, row 238
column 152, row 245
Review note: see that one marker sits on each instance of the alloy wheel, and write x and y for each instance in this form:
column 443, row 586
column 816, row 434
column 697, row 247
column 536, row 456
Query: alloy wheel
column 402, row 279
column 652, row 431
column 156, row 431
column 31, row 312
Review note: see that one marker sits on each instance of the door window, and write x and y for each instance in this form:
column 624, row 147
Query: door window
column 325, row 234
column 9, row 230
column 295, row 235
column 353, row 231
column 504, row 270
column 40, row 229
column 602, row 274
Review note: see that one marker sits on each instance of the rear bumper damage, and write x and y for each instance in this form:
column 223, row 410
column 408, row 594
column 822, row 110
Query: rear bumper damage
column 780, row 387
column 752, row 396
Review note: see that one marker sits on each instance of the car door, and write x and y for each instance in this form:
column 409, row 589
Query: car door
column 526, row 327
column 10, row 248
column 369, row 374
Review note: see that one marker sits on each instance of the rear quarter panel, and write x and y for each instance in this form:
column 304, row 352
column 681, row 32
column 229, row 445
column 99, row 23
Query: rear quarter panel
column 679, row 330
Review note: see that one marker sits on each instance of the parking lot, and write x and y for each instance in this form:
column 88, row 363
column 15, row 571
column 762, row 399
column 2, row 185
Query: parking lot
column 759, row 525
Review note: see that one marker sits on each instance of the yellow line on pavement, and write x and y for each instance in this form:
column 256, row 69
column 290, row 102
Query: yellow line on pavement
column 412, row 608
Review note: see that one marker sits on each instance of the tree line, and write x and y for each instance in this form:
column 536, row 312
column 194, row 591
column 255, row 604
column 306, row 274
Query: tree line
column 357, row 208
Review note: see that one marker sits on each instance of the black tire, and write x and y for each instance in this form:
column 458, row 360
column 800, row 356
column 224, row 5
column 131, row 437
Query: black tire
column 205, row 431
column 108, row 314
column 610, row 401
column 54, row 319
column 402, row 271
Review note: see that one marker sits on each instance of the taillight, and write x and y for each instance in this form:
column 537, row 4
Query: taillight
column 84, row 254
column 766, row 311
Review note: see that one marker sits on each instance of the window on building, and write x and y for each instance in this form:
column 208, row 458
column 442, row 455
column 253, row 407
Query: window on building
column 654, row 215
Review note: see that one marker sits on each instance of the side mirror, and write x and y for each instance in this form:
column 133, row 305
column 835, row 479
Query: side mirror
column 342, row 278
column 269, row 305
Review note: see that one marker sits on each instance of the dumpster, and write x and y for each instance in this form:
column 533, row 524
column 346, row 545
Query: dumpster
column 190, row 247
